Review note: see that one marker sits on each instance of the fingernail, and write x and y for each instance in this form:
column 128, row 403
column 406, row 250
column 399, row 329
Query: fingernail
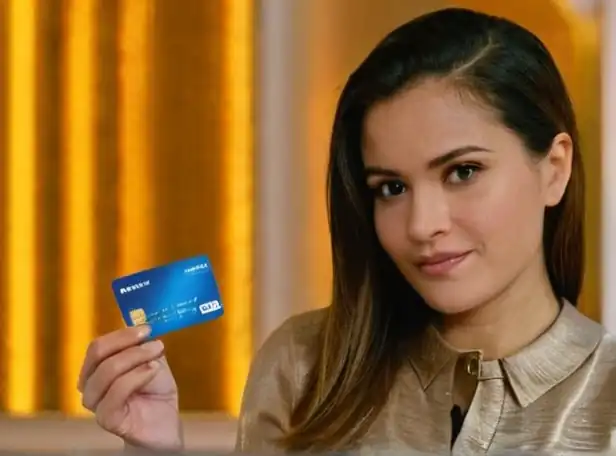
column 153, row 364
column 144, row 331
column 157, row 345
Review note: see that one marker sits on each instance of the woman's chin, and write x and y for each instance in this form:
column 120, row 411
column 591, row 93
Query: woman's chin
column 452, row 305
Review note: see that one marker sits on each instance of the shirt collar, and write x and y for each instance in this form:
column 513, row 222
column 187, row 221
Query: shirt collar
column 532, row 371
column 554, row 356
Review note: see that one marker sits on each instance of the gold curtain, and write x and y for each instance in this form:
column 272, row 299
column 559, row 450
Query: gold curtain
column 127, row 134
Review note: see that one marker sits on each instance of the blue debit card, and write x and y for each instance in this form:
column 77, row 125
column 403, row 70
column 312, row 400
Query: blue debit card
column 170, row 297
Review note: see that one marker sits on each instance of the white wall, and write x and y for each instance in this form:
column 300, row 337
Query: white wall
column 608, row 147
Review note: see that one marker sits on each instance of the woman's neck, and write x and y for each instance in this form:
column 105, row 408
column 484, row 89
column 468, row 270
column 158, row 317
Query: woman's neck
column 507, row 323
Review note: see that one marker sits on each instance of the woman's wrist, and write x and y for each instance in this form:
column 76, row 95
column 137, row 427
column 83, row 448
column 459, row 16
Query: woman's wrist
column 133, row 449
column 174, row 447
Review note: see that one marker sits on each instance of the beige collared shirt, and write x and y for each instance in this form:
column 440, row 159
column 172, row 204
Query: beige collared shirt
column 556, row 395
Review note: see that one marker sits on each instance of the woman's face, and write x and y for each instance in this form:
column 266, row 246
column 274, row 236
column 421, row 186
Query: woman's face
column 459, row 202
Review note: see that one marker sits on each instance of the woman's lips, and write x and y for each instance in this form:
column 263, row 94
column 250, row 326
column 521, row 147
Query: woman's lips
column 442, row 264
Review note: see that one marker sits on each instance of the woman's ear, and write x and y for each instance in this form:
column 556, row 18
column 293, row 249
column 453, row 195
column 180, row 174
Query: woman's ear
column 556, row 170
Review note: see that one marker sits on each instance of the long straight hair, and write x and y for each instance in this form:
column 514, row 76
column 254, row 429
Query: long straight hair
column 374, row 310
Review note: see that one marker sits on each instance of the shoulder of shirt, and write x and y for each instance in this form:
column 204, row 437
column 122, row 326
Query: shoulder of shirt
column 305, row 327
column 298, row 333
column 605, row 352
column 285, row 359
column 608, row 343
column 291, row 348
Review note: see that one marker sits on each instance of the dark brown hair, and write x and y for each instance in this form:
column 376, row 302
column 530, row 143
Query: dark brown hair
column 374, row 311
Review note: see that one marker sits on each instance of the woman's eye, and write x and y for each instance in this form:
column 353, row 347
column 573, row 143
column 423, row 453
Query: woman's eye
column 462, row 173
column 389, row 189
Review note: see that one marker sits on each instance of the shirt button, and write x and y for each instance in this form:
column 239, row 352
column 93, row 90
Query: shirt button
column 473, row 365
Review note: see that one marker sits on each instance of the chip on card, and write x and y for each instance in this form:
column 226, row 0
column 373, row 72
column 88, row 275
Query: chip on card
column 171, row 297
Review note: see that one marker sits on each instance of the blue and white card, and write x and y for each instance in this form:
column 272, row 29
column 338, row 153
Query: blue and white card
column 171, row 297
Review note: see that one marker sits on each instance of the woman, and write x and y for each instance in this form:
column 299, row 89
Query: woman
column 456, row 210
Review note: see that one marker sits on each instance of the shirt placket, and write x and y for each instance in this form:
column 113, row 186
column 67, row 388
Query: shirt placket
column 486, row 408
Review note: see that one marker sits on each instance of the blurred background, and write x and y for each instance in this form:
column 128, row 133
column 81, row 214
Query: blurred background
column 139, row 132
